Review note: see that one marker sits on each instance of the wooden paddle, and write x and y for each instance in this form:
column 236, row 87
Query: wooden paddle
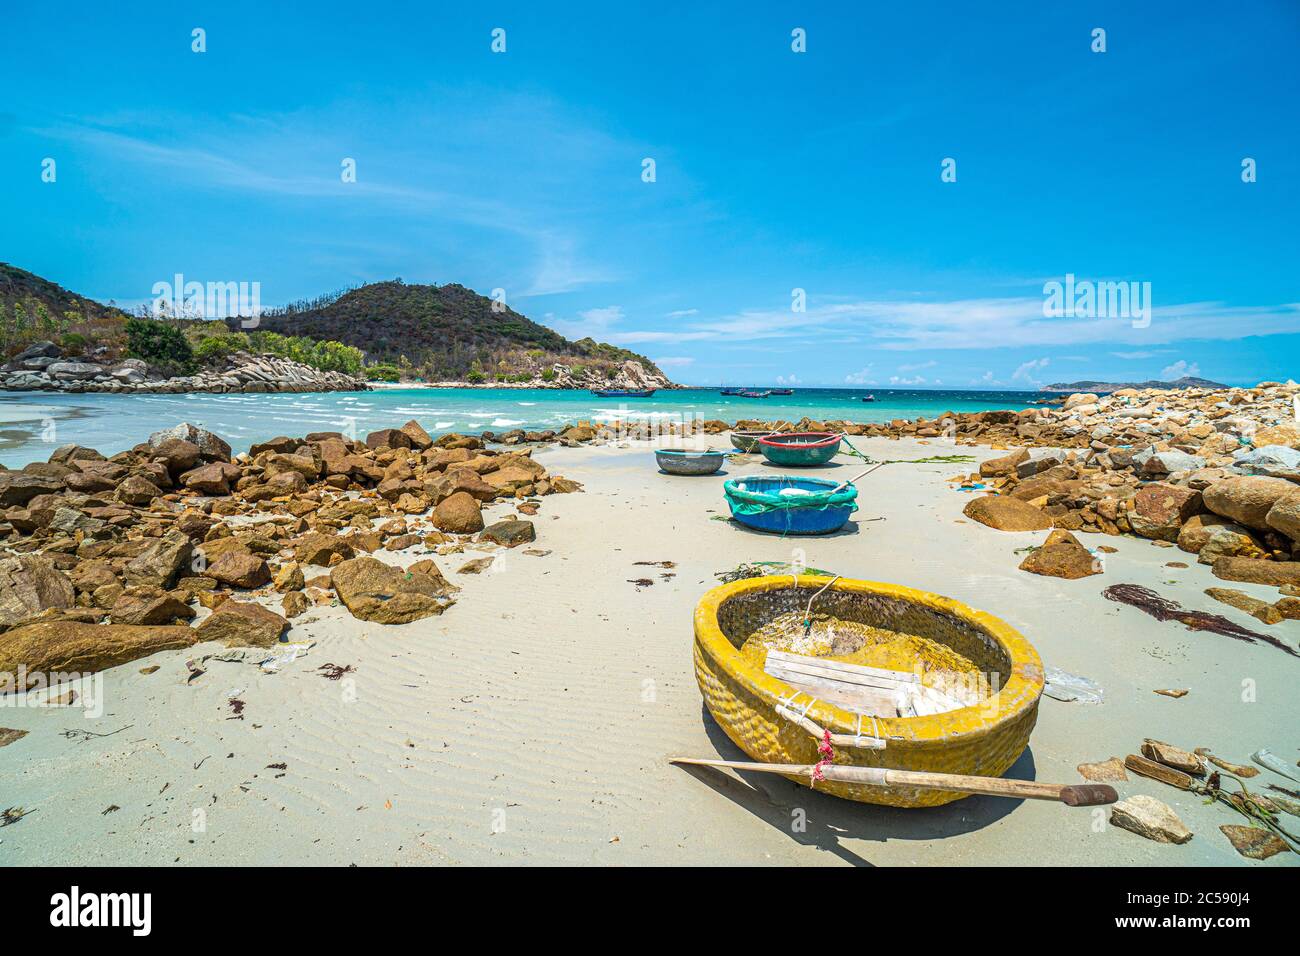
column 1072, row 795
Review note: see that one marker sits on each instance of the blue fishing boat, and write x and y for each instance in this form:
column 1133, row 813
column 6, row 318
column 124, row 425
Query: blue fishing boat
column 732, row 391
column 781, row 391
column 783, row 504
column 748, row 393
column 623, row 392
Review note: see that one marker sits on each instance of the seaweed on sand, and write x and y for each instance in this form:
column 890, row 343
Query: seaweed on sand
column 1163, row 609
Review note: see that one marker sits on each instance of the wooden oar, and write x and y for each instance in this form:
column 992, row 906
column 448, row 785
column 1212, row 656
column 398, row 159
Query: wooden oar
column 1072, row 795
column 847, row 481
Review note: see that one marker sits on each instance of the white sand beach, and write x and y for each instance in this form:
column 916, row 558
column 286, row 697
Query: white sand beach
column 530, row 723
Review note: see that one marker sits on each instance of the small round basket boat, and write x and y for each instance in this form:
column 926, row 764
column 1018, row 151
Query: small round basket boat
column 774, row 704
column 785, row 504
column 690, row 462
column 747, row 440
column 801, row 449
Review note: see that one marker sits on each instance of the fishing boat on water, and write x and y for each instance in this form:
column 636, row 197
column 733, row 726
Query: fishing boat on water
column 623, row 392
column 868, row 398
column 751, row 393
column 732, row 391
column 781, row 391
column 801, row 449
column 872, row 692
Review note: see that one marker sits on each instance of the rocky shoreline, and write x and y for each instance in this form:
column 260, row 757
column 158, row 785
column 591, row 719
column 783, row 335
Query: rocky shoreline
column 178, row 529
column 111, row 559
column 42, row 367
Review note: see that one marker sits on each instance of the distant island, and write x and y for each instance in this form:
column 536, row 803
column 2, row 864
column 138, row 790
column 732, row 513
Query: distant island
column 1104, row 388
column 394, row 332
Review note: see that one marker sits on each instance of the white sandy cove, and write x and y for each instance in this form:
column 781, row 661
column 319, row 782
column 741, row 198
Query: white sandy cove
column 530, row 723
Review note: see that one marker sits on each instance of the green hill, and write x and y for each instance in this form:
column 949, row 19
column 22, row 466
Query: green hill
column 33, row 309
column 441, row 332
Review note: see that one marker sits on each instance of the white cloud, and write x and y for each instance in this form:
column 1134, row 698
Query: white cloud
column 902, row 380
column 917, row 366
column 593, row 323
column 681, row 313
column 1025, row 371
column 1179, row 369
column 675, row 361
column 861, row 377
column 1140, row 354
column 787, row 380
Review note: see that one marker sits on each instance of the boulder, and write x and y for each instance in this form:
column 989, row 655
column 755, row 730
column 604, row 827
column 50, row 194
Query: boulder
column 159, row 563
column 1276, row 461
column 20, row 487
column 137, row 491
column 1232, row 541
column 75, row 371
column 73, row 647
column 1246, row 500
column 418, row 437
column 1260, row 610
column 1284, row 515
column 1160, row 509
column 1253, row 571
column 148, row 606
column 509, row 533
column 211, row 447
column 242, row 624
column 388, row 438
column 1286, row 434
column 318, row 548
column 212, row 479
column 290, row 577
column 177, row 454
column 374, row 591
column 1005, row 514
column 239, row 568
column 460, row 514
column 1197, row 529
column 1061, row 556
column 30, row 584
column 1006, row 465
column 1150, row 818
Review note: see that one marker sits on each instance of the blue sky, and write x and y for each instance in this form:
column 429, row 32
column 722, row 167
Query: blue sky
column 774, row 171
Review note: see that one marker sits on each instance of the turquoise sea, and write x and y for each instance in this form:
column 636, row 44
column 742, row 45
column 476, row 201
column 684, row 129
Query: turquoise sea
column 32, row 423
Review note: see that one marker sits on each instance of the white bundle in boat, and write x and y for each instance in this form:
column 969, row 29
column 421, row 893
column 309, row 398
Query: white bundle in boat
column 793, row 492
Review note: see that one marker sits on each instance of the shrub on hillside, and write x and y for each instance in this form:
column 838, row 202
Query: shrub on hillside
column 162, row 345
column 383, row 373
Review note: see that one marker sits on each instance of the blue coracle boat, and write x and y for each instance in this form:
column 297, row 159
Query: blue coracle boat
column 623, row 392
column 757, row 502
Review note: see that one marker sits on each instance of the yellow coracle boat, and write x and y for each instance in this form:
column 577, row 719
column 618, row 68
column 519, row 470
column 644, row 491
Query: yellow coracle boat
column 889, row 676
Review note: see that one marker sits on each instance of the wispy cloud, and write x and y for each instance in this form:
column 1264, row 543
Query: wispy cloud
column 1178, row 370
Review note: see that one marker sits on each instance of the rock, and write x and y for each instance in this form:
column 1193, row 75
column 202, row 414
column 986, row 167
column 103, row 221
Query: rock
column 30, row 584
column 1006, row 514
column 211, row 479
column 159, row 563
column 1160, row 509
column 1253, row 842
column 1061, row 556
column 477, row 566
column 20, row 487
column 1284, row 515
column 388, row 438
column 177, row 454
column 1286, row 434
column 1246, row 500
column 1260, row 610
column 137, row 491
column 374, row 591
column 1006, row 465
column 317, row 548
column 1196, row 531
column 72, row 647
column 211, row 447
column 459, row 514
column 509, row 533
column 1289, row 608
column 242, row 624
column 1150, row 818
column 416, row 434
column 294, row 603
column 1172, row 756
column 1104, row 771
column 579, row 433
column 1253, row 571
column 148, row 606
column 239, row 568
column 1156, row 463
column 42, row 349
column 289, row 577
column 74, row 371
column 1229, row 542
column 1079, row 398
column 1276, row 461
